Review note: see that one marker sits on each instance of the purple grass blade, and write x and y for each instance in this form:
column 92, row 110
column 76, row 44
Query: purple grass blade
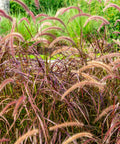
column 33, row 16
column 24, row 19
column 2, row 13
column 6, row 107
column 4, row 140
column 53, row 18
column 42, row 34
column 71, row 7
column 116, row 22
column 41, row 15
column 111, row 5
column 37, row 4
column 18, row 103
column 23, row 5
column 19, row 36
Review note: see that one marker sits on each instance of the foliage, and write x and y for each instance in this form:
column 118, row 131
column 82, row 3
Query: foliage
column 45, row 6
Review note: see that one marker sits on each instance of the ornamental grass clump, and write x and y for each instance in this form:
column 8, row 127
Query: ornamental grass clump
column 59, row 88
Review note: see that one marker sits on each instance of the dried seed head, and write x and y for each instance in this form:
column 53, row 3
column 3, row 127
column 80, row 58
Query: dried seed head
column 78, row 135
column 105, row 111
column 82, row 84
column 25, row 136
column 66, row 124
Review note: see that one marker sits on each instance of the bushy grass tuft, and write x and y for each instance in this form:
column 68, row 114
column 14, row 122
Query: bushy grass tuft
column 60, row 76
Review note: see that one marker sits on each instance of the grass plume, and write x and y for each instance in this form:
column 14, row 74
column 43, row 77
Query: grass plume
column 66, row 124
column 26, row 135
column 111, row 5
column 96, row 18
column 106, row 111
column 5, row 82
column 78, row 135
column 61, row 38
column 82, row 84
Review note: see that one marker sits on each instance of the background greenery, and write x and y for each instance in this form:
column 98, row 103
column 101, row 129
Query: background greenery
column 50, row 7
column 45, row 6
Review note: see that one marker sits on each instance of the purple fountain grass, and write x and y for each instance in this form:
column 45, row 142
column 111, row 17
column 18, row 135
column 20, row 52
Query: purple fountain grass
column 78, row 135
column 37, row 4
column 26, row 9
column 106, row 2
column 102, row 24
column 109, row 55
column 23, row 5
column 44, row 24
column 5, row 82
column 116, row 22
column 24, row 19
column 43, row 34
column 111, row 5
column 78, row 15
column 2, row 13
column 89, row 2
column 41, row 15
column 59, row 11
column 53, row 97
column 82, row 84
column 110, row 77
column 118, row 141
column 99, row 64
column 116, row 67
column 93, row 63
column 52, row 28
column 42, row 40
column 7, row 106
column 71, row 7
column 53, row 18
column 12, row 50
column 26, row 135
column 116, row 32
column 66, row 124
column 32, row 102
column 33, row 16
column 106, row 111
column 110, row 131
column 4, row 140
column 59, row 39
column 65, row 49
column 117, row 61
column 13, row 34
column 96, row 18
column 116, row 41
column 18, row 103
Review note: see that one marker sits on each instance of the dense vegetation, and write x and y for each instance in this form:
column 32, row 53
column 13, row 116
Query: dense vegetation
column 60, row 72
